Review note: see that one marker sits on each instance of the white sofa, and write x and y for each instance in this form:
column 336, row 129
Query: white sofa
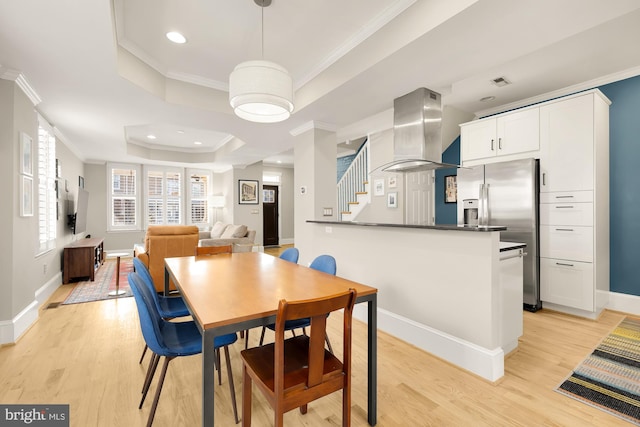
column 221, row 234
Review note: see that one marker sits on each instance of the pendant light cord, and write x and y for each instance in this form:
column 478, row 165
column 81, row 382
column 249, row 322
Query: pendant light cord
column 262, row 30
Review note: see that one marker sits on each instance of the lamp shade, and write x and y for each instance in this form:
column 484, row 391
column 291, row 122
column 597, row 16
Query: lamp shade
column 217, row 201
column 261, row 91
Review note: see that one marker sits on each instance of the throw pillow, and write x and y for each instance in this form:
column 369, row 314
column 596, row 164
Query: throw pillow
column 234, row 231
column 217, row 230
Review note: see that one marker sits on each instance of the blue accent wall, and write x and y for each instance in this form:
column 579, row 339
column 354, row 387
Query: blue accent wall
column 624, row 176
column 446, row 213
column 343, row 164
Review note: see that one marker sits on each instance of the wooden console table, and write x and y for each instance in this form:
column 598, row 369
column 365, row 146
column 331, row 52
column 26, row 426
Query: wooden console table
column 82, row 259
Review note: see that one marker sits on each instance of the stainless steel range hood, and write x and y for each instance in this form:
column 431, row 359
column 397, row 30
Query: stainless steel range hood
column 417, row 133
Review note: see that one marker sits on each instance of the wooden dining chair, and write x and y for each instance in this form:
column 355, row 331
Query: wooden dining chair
column 214, row 250
column 291, row 373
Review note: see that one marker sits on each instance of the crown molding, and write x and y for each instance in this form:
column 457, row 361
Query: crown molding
column 376, row 24
column 590, row 84
column 21, row 81
column 312, row 125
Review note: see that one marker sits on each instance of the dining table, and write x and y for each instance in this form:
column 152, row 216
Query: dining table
column 234, row 292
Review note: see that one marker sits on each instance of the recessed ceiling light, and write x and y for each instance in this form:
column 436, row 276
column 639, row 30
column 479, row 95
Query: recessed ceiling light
column 176, row 37
column 487, row 98
column 151, row 136
column 180, row 131
column 197, row 142
column 279, row 161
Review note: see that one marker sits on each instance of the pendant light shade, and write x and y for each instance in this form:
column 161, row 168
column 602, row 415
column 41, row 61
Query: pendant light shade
column 261, row 91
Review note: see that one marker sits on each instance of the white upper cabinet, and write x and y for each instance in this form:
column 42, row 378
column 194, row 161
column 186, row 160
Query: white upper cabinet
column 567, row 133
column 507, row 134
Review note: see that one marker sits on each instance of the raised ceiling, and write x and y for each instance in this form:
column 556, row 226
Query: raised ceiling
column 108, row 77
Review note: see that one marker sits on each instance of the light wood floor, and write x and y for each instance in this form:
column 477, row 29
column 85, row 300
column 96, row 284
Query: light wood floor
column 86, row 355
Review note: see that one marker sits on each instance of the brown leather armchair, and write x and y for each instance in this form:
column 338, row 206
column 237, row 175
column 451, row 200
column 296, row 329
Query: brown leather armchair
column 166, row 241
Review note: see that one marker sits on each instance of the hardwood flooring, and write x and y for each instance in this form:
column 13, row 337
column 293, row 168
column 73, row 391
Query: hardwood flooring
column 86, row 355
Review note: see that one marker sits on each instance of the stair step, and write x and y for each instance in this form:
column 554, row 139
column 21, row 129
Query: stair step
column 345, row 213
column 354, row 203
column 362, row 192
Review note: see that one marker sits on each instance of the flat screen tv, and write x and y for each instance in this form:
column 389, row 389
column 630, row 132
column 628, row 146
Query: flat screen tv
column 80, row 218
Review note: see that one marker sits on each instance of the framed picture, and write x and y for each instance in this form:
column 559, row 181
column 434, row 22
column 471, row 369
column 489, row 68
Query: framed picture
column 393, row 183
column 450, row 189
column 247, row 192
column 26, row 196
column 26, row 154
column 58, row 169
column 392, row 200
column 378, row 187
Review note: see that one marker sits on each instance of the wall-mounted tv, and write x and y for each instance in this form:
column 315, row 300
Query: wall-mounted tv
column 78, row 221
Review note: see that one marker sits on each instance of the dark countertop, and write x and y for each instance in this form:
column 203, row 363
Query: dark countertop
column 427, row 227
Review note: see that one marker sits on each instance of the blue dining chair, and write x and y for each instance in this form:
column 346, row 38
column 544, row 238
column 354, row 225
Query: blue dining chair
column 171, row 340
column 290, row 255
column 168, row 307
column 326, row 264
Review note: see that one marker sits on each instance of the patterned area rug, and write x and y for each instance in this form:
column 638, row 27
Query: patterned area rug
column 105, row 282
column 609, row 379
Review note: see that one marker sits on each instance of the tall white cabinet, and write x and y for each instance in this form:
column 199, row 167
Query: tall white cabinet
column 574, row 203
column 570, row 136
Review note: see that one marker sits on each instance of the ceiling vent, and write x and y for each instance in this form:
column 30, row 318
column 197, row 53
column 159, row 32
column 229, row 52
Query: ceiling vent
column 500, row 81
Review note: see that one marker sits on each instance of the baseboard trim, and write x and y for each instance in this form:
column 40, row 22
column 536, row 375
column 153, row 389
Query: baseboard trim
column 286, row 241
column 624, row 302
column 12, row 330
column 488, row 364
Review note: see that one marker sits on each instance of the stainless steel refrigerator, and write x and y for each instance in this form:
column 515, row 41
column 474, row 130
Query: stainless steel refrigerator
column 506, row 194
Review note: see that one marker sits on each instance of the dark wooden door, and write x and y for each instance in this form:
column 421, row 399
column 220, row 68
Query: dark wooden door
column 270, row 215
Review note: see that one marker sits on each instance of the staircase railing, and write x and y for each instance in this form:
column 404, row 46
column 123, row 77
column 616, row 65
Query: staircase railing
column 353, row 180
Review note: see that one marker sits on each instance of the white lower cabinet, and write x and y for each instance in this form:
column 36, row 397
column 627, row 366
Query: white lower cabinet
column 568, row 283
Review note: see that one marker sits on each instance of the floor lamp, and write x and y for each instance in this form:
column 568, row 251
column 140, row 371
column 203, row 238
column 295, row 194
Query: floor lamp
column 217, row 202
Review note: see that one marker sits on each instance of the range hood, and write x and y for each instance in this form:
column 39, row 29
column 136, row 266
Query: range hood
column 417, row 133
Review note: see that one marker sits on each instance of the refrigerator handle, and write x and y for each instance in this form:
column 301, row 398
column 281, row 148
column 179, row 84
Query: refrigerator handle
column 484, row 205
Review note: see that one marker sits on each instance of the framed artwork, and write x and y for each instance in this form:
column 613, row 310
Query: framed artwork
column 378, row 187
column 247, row 192
column 26, row 196
column 450, row 189
column 393, row 183
column 58, row 169
column 26, row 154
column 392, row 200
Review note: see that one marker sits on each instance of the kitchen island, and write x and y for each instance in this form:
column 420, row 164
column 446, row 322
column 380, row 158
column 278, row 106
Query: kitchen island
column 442, row 288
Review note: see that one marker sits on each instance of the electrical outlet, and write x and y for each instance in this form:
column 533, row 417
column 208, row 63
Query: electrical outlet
column 44, row 268
column 328, row 230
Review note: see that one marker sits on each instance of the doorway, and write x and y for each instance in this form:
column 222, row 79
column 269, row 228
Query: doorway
column 270, row 215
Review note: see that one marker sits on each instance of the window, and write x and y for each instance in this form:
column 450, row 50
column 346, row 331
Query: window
column 47, row 208
column 199, row 198
column 164, row 196
column 123, row 212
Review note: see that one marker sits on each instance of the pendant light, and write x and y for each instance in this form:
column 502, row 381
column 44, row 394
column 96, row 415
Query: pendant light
column 261, row 91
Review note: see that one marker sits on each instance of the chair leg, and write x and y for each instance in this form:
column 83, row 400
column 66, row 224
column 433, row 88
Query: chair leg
column 218, row 366
column 232, row 387
column 326, row 338
column 246, row 397
column 303, row 409
column 264, row 329
column 246, row 338
column 159, row 390
column 143, row 353
column 153, row 364
column 346, row 406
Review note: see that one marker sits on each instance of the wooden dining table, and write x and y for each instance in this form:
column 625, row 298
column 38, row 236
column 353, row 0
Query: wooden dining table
column 234, row 292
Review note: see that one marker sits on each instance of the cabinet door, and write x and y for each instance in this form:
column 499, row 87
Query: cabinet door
column 567, row 283
column 478, row 140
column 518, row 132
column 566, row 130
